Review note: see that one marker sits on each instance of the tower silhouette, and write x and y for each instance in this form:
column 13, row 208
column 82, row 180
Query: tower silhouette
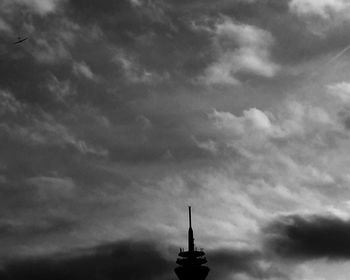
column 191, row 261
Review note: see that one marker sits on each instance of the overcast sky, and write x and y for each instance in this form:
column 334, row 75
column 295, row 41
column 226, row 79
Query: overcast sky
column 116, row 115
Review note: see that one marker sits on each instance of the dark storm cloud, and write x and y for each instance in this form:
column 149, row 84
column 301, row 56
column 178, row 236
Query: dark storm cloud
column 122, row 260
column 309, row 237
column 131, row 260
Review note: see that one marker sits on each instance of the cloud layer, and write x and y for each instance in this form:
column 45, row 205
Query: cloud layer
column 116, row 115
column 310, row 237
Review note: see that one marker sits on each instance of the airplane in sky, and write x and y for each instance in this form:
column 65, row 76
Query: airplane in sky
column 20, row 40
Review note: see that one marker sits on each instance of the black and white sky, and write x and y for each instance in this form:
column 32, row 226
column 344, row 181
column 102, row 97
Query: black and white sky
column 116, row 115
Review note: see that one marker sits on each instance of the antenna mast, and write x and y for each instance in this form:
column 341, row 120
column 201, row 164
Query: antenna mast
column 190, row 233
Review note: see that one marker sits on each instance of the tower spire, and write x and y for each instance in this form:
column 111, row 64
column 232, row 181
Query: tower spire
column 190, row 232
column 191, row 262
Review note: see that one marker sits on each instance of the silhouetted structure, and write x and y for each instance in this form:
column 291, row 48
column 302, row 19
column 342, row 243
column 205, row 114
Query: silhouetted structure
column 191, row 262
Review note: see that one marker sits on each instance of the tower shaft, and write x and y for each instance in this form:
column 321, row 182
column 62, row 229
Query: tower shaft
column 190, row 232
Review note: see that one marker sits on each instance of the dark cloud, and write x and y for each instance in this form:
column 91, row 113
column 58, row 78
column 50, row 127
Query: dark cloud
column 224, row 263
column 122, row 260
column 154, row 34
column 132, row 260
column 309, row 237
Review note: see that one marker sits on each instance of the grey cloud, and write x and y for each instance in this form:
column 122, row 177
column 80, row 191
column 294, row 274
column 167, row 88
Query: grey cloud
column 41, row 8
column 118, row 137
column 9, row 104
column 303, row 237
column 277, row 18
column 62, row 91
column 5, row 27
column 29, row 228
column 346, row 122
column 154, row 45
column 52, row 187
column 133, row 71
column 49, row 133
column 125, row 259
column 50, row 51
column 225, row 263
column 133, row 260
column 31, row 125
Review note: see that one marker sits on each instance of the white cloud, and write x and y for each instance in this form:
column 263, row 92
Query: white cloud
column 49, row 132
column 60, row 89
column 321, row 16
column 282, row 165
column 340, row 90
column 54, row 47
column 321, row 8
column 258, row 119
column 41, row 7
column 240, row 48
column 252, row 120
column 43, row 129
column 136, row 3
column 294, row 119
column 207, row 145
column 133, row 71
column 281, row 150
column 81, row 68
column 9, row 104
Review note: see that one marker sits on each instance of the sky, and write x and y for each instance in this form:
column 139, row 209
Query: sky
column 117, row 115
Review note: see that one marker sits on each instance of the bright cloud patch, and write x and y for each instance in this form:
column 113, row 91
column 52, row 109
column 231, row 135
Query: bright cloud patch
column 84, row 70
column 252, row 119
column 240, row 48
column 133, row 71
column 321, row 8
column 340, row 90
column 37, row 6
column 322, row 17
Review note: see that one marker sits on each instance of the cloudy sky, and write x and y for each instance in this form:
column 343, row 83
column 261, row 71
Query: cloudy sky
column 116, row 115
